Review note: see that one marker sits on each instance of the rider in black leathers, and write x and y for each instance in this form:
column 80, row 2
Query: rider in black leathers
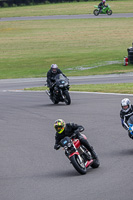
column 125, row 113
column 63, row 129
column 51, row 77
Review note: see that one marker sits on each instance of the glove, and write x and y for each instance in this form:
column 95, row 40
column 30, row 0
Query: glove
column 76, row 134
column 56, row 146
column 130, row 130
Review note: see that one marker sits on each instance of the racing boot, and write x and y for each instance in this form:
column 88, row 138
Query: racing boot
column 94, row 155
column 90, row 149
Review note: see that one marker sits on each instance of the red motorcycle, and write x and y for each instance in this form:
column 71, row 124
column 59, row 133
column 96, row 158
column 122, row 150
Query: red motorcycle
column 78, row 154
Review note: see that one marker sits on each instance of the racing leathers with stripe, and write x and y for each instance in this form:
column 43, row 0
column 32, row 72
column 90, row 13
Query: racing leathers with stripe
column 125, row 116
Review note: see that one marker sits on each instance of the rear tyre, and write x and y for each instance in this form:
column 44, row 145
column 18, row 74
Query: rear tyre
column 95, row 163
column 96, row 12
column 109, row 12
column 67, row 98
column 78, row 165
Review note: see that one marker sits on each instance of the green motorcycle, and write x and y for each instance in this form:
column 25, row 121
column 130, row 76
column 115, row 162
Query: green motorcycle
column 105, row 10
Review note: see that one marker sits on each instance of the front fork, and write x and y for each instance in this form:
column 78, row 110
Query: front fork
column 61, row 92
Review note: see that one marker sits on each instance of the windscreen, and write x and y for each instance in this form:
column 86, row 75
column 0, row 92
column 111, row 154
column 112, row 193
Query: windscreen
column 130, row 120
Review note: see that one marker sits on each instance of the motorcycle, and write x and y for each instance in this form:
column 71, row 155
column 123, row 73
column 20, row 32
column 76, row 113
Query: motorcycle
column 78, row 154
column 130, row 130
column 105, row 10
column 60, row 90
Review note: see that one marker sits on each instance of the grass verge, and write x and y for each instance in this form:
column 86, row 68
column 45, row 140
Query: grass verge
column 78, row 46
column 123, row 88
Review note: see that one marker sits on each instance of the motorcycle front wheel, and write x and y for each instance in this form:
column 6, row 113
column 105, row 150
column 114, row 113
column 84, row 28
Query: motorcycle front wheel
column 77, row 164
column 96, row 12
column 67, row 98
column 109, row 12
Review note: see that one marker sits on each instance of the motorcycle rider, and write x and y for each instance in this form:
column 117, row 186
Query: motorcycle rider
column 51, row 77
column 68, row 129
column 125, row 113
column 101, row 5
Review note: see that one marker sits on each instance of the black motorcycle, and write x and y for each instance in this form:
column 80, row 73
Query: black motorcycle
column 60, row 90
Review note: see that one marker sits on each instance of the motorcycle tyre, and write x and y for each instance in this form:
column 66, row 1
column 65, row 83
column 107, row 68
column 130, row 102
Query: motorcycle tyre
column 96, row 12
column 76, row 165
column 109, row 12
column 55, row 101
column 95, row 164
column 67, row 97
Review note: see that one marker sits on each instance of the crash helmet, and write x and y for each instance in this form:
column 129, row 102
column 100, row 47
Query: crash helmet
column 104, row 1
column 54, row 68
column 126, row 105
column 59, row 125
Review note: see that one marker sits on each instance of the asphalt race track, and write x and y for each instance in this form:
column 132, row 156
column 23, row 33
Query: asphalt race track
column 86, row 16
column 30, row 169
column 15, row 84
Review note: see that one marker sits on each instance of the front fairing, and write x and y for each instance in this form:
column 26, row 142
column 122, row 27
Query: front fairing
column 130, row 123
column 130, row 127
column 104, row 10
column 61, row 84
column 68, row 146
column 61, row 81
column 130, row 120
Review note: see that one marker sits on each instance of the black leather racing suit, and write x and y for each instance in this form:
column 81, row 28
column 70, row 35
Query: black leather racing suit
column 124, row 118
column 69, row 130
column 51, row 79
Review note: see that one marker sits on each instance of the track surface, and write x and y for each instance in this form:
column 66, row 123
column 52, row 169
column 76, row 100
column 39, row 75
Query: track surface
column 90, row 16
column 13, row 84
column 30, row 169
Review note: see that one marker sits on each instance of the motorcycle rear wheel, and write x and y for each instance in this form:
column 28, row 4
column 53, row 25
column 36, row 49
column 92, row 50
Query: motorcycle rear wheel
column 95, row 164
column 67, row 98
column 80, row 167
column 109, row 12
column 96, row 12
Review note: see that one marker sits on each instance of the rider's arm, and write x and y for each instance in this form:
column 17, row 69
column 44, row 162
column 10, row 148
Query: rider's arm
column 77, row 128
column 124, row 124
column 123, row 121
column 49, row 79
column 56, row 146
column 60, row 72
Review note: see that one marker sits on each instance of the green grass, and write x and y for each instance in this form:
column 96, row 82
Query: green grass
column 123, row 88
column 28, row 48
column 125, row 6
column 78, row 46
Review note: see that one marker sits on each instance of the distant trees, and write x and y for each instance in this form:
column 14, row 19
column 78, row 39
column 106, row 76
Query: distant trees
column 10, row 3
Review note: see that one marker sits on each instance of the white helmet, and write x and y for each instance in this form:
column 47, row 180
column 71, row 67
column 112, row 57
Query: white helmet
column 104, row 1
column 54, row 68
column 126, row 105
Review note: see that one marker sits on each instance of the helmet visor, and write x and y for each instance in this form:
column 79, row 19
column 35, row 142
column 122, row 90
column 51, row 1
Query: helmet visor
column 54, row 70
column 125, row 107
column 59, row 129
